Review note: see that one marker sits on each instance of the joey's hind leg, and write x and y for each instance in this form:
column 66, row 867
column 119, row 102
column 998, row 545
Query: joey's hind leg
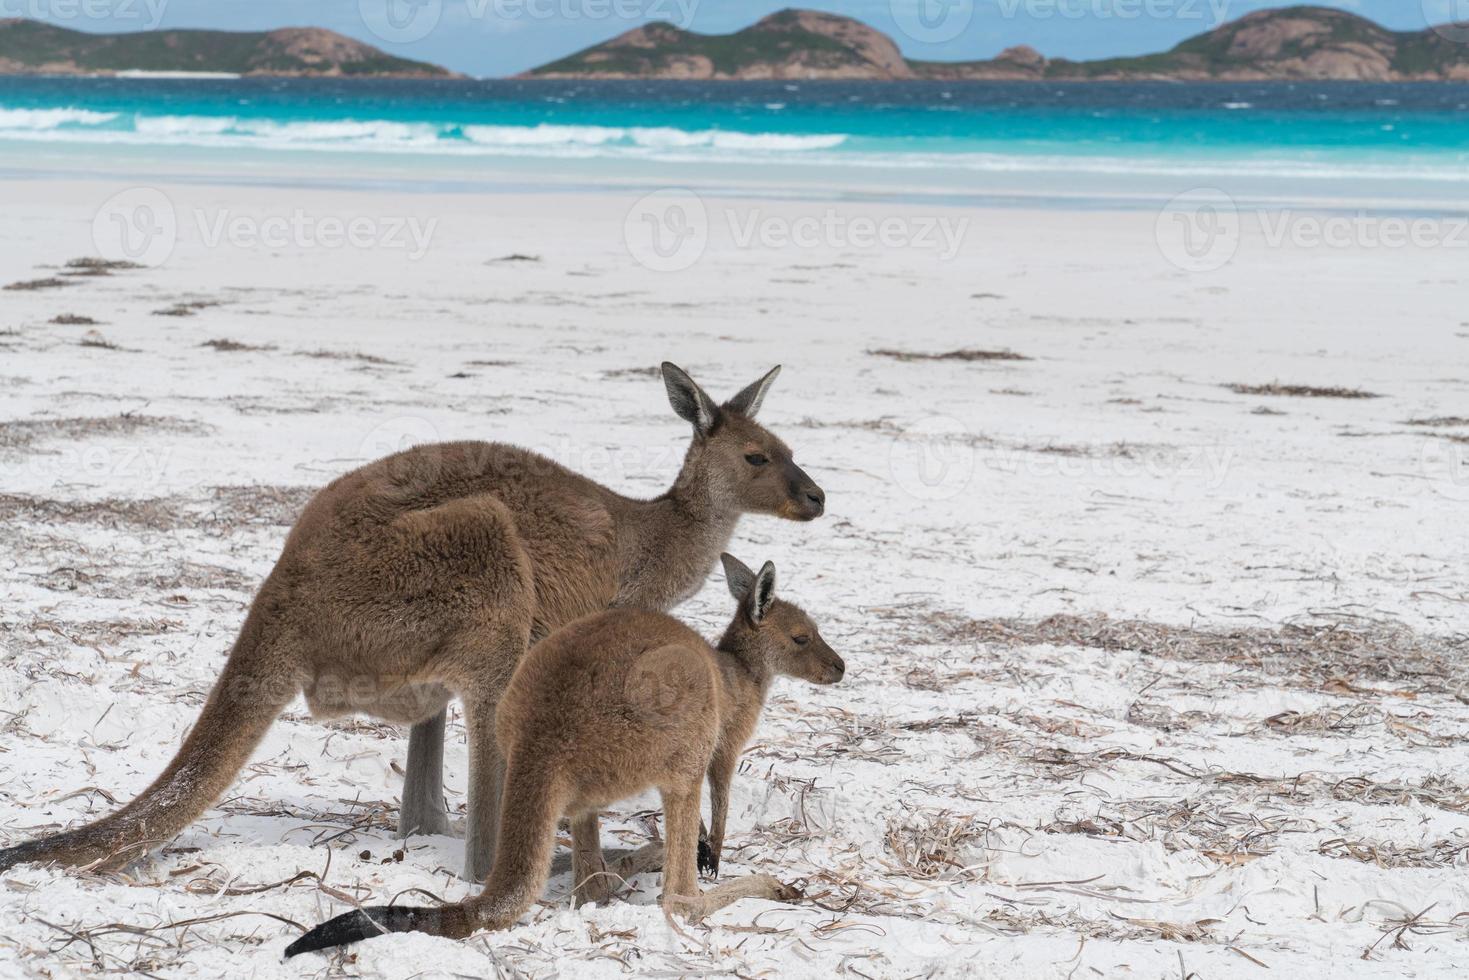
column 766, row 887
column 680, row 877
column 681, row 844
column 422, row 811
column 590, row 879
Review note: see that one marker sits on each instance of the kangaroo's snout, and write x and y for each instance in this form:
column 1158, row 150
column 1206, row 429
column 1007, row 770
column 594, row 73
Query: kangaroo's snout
column 807, row 500
column 815, row 499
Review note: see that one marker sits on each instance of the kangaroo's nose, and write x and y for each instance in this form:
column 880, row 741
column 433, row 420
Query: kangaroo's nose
column 838, row 670
column 816, row 497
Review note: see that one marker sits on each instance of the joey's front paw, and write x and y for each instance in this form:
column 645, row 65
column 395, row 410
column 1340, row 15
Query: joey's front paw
column 707, row 859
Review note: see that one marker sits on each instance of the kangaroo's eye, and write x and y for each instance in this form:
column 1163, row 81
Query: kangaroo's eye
column 756, row 459
column 801, row 640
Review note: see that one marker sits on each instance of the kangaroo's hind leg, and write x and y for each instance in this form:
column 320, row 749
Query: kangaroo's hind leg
column 477, row 576
column 423, row 811
column 486, row 786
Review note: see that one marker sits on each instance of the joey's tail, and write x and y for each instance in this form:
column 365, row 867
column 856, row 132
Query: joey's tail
column 533, row 801
column 240, row 709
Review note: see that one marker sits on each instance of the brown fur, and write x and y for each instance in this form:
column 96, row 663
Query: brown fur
column 425, row 575
column 605, row 708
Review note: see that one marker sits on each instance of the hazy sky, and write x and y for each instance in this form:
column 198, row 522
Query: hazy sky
column 499, row 37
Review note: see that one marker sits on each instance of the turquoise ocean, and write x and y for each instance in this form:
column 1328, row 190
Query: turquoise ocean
column 1397, row 147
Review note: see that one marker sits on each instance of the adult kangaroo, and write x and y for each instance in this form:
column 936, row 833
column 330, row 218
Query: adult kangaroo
column 600, row 710
column 425, row 576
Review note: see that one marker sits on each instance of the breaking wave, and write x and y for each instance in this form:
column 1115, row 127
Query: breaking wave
column 84, row 125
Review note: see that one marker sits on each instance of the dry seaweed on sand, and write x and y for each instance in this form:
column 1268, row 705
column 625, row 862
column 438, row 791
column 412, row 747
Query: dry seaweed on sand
column 31, row 285
column 1299, row 391
column 95, row 340
column 632, row 372
column 225, row 345
column 92, row 263
column 1319, row 655
column 22, row 433
column 338, row 355
column 964, row 354
column 187, row 308
column 929, row 844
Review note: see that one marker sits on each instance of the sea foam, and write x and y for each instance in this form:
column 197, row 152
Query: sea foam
column 42, row 119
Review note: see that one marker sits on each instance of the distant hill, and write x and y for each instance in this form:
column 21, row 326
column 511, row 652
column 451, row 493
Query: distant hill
column 788, row 44
column 33, row 47
column 1291, row 43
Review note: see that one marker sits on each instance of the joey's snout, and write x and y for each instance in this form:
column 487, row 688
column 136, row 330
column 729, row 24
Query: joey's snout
column 828, row 667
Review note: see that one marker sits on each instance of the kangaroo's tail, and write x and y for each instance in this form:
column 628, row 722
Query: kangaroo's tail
column 533, row 800
column 248, row 696
column 351, row 927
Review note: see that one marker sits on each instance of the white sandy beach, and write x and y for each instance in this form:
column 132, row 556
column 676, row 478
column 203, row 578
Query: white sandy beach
column 989, row 791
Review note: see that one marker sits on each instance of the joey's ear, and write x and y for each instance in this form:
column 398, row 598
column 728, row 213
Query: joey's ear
column 689, row 400
column 764, row 592
column 747, row 402
column 737, row 576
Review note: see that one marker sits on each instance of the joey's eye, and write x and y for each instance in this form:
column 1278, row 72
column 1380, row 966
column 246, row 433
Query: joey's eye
column 801, row 640
column 756, row 459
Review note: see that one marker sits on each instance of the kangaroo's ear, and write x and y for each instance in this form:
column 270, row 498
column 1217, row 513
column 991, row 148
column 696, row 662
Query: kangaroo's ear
column 737, row 576
column 689, row 400
column 747, row 402
column 764, row 592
